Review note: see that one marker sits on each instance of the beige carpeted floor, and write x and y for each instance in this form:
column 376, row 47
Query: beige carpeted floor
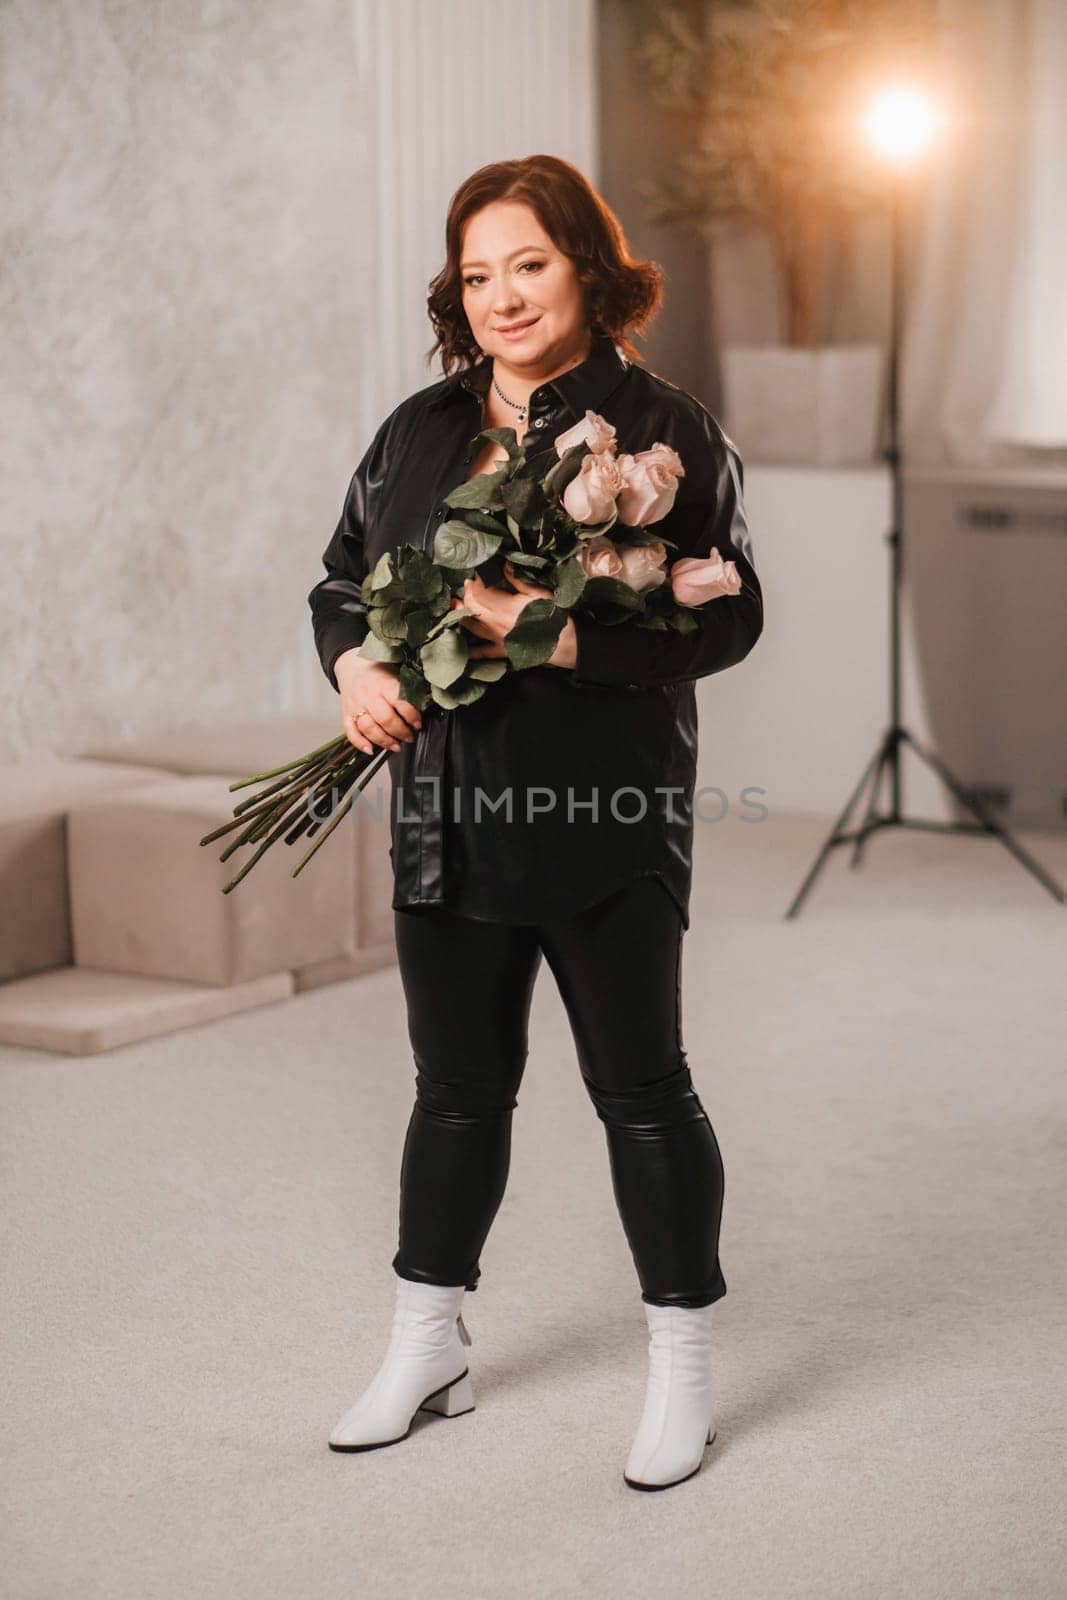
column 199, row 1233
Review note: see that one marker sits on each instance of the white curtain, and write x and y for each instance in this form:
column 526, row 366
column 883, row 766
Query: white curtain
column 986, row 345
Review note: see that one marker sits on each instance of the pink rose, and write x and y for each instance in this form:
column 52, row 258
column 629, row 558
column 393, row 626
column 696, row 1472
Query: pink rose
column 593, row 430
column 642, row 565
column 590, row 496
column 694, row 579
column 650, row 483
column 600, row 557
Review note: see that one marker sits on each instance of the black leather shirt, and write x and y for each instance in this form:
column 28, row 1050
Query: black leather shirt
column 560, row 784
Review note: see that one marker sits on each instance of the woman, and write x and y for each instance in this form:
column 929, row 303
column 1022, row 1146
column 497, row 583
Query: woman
column 552, row 816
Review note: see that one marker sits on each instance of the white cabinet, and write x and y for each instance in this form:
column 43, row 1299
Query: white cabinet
column 803, row 715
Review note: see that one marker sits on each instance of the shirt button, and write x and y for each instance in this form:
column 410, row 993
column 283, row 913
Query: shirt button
column 539, row 423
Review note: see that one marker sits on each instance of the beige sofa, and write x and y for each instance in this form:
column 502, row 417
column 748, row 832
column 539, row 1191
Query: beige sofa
column 115, row 924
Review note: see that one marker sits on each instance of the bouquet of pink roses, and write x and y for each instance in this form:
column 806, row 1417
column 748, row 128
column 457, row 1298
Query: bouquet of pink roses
column 573, row 518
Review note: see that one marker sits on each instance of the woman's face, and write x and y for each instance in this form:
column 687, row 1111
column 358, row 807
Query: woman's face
column 512, row 272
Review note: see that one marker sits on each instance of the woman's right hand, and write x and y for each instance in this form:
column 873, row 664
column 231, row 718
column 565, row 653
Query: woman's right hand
column 372, row 712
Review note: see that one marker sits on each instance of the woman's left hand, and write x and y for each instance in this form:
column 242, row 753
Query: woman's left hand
column 495, row 611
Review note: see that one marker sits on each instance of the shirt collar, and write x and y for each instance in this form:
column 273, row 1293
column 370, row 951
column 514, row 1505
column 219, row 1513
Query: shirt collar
column 581, row 388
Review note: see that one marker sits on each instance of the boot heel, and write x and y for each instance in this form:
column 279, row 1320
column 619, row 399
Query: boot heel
column 453, row 1401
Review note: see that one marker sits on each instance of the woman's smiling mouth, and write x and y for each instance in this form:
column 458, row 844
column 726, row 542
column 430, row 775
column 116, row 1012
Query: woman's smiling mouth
column 517, row 329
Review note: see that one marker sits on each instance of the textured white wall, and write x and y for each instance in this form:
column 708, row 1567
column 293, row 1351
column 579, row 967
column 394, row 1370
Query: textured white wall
column 183, row 326
column 220, row 221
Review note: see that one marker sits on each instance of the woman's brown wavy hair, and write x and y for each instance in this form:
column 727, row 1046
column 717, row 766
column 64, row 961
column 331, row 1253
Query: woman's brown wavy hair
column 620, row 293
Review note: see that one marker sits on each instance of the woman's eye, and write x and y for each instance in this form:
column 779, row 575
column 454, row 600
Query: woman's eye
column 475, row 276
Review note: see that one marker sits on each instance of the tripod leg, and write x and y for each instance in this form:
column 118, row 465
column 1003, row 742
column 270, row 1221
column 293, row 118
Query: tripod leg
column 867, row 824
column 838, row 827
column 988, row 821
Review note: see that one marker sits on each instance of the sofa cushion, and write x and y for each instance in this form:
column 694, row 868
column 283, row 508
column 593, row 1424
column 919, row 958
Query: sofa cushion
column 146, row 897
column 78, row 1011
column 35, row 797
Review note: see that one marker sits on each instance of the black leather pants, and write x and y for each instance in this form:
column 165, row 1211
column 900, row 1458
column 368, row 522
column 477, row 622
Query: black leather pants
column 468, row 986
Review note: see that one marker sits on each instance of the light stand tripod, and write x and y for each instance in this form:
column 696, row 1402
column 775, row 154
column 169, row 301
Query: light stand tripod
column 887, row 757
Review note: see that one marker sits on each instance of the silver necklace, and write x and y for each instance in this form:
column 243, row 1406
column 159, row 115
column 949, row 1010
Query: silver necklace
column 521, row 409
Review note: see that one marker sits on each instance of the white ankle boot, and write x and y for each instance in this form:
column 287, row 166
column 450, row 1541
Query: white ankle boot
column 425, row 1369
column 678, row 1420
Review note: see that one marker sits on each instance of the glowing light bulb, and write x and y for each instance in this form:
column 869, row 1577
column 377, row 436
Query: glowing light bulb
column 901, row 122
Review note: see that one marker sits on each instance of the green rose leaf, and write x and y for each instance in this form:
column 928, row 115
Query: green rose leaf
column 485, row 520
column 566, row 467
column 524, row 558
column 375, row 649
column 418, row 624
column 462, row 695
column 489, row 669
column 392, row 621
column 422, row 579
column 593, row 530
column 478, row 492
column 537, row 464
column 612, row 591
column 449, row 619
column 524, row 501
column 533, row 638
column 457, row 545
column 444, row 657
column 571, row 580
column 413, row 687
column 502, row 436
column 383, row 571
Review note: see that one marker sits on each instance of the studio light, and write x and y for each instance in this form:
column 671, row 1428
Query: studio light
column 901, row 123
